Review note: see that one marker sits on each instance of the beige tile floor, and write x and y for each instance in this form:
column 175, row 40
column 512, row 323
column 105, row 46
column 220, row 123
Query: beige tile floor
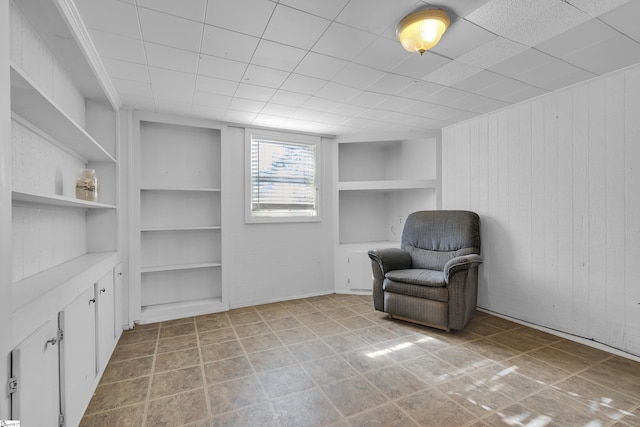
column 333, row 360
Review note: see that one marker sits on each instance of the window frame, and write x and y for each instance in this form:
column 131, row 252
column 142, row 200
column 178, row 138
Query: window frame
column 284, row 137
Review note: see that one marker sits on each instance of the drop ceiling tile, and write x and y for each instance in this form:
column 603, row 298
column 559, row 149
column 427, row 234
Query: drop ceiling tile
column 383, row 54
column 373, row 16
column 207, row 99
column 278, row 56
column 263, row 76
column 582, row 36
column 445, row 96
column 130, row 87
column 244, row 16
column 228, row 44
column 305, row 114
column 215, row 85
column 419, row 90
column 452, row 73
column 394, row 103
column 478, row 81
column 493, row 52
column 510, row 90
column 189, row 9
column 525, row 93
column 332, row 118
column 270, row 121
column 460, row 8
column 259, row 93
column 320, row 66
column 343, row 42
column 303, row 84
column 390, row 84
column 138, row 102
column 291, row 99
column 521, row 63
column 349, row 110
column 171, row 58
column 598, row 7
column 235, row 116
column 500, row 16
column 295, row 28
column 358, row 76
column 474, row 103
column 417, row 66
column 553, row 75
column 613, row 53
column 171, row 93
column 278, row 110
column 184, row 34
column 181, row 81
column 328, row 9
column 367, row 99
column 227, row 69
column 119, row 47
column 249, row 105
column 110, row 16
column 320, row 104
column 172, row 106
column 126, row 70
column 209, row 113
column 336, row 92
column 625, row 19
column 547, row 24
column 375, row 114
column 462, row 37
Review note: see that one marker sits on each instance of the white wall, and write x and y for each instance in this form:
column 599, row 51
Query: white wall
column 556, row 182
column 269, row 262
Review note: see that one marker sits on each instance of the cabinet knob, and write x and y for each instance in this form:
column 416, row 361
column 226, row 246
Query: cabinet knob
column 119, row 273
column 92, row 300
column 52, row 341
column 103, row 290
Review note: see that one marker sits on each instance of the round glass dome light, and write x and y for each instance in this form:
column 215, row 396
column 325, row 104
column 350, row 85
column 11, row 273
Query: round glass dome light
column 422, row 30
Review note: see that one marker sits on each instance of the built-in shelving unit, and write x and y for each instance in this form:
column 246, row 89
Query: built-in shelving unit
column 380, row 181
column 180, row 247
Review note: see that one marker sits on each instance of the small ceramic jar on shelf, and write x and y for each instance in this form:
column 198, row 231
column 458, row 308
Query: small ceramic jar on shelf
column 87, row 185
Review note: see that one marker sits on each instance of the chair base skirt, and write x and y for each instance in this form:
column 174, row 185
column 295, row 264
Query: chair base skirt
column 417, row 310
column 431, row 325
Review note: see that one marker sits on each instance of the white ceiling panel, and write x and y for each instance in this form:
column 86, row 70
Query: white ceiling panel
column 625, row 19
column 110, row 16
column 358, row 76
column 244, row 16
column 189, row 9
column 119, row 47
column 126, row 70
column 295, row 28
column 320, row 66
column 335, row 65
column 373, row 15
column 327, row 9
column 172, row 58
column 263, row 76
column 225, row 69
column 184, row 34
column 228, row 44
column 462, row 37
column 343, row 42
column 278, row 56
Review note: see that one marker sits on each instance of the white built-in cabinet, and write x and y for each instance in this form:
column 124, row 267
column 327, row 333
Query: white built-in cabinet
column 178, row 256
column 65, row 307
column 380, row 181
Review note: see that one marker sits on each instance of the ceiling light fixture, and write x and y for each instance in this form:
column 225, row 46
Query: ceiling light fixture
column 421, row 30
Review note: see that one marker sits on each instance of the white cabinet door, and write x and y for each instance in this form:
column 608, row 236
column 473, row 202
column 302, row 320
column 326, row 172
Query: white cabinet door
column 35, row 366
column 105, row 295
column 78, row 355
column 359, row 272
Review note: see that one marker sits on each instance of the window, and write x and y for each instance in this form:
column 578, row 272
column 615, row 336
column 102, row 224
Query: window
column 282, row 177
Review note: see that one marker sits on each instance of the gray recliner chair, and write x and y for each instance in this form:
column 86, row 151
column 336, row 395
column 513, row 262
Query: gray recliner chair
column 433, row 278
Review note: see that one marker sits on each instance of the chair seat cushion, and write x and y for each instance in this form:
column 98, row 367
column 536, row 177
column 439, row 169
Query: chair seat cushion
column 415, row 276
column 428, row 284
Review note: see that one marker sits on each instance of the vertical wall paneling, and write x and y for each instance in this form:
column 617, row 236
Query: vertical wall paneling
column 554, row 180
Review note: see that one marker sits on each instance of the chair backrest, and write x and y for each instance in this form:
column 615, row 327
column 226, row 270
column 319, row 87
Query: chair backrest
column 434, row 237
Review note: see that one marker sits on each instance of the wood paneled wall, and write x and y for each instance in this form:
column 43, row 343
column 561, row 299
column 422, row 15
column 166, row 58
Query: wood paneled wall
column 556, row 182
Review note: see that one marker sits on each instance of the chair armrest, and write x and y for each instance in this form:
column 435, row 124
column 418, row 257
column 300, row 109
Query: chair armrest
column 390, row 259
column 464, row 262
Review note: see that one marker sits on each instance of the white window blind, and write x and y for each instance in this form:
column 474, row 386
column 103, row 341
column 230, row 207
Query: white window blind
column 283, row 178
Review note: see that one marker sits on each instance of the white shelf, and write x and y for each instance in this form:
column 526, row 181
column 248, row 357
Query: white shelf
column 213, row 190
column 175, row 267
column 55, row 200
column 32, row 287
column 32, row 104
column 161, row 312
column 190, row 228
column 387, row 185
